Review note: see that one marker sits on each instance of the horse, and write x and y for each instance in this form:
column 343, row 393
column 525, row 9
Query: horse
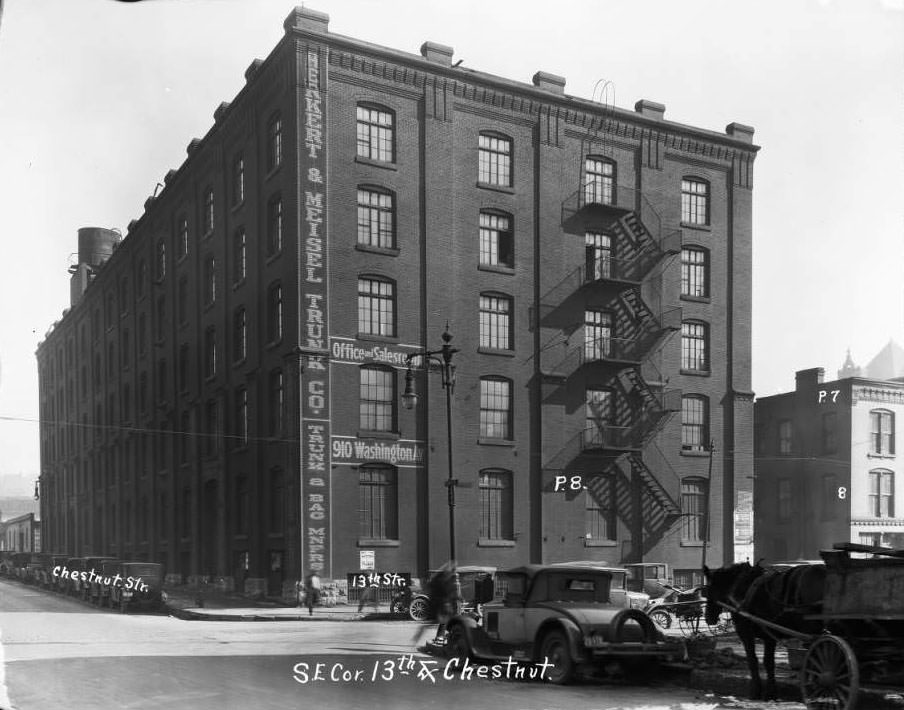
column 784, row 597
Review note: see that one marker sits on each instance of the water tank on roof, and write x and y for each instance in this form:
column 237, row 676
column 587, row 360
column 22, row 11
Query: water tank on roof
column 96, row 244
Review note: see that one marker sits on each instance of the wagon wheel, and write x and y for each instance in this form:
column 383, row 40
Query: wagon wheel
column 689, row 622
column 829, row 677
column 419, row 609
column 661, row 618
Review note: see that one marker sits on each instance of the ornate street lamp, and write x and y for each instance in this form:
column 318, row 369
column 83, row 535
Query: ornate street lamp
column 443, row 359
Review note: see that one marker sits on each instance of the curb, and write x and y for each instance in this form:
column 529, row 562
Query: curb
column 345, row 616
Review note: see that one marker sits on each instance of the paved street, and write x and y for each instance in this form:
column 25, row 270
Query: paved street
column 60, row 652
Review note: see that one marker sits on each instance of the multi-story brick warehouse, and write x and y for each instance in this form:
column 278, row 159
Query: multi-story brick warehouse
column 593, row 265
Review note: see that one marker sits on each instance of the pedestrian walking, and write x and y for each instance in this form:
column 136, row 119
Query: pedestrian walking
column 443, row 592
column 312, row 591
column 368, row 597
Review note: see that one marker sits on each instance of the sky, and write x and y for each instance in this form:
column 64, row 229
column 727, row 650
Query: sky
column 99, row 98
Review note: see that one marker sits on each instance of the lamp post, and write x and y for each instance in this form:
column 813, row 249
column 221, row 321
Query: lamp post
column 443, row 359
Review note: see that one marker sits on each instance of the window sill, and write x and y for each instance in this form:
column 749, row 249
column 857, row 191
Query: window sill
column 368, row 542
column 694, row 225
column 497, row 268
column 507, row 189
column 496, row 351
column 695, row 299
column 492, row 542
column 388, row 251
column 689, row 543
column 874, row 455
column 373, row 337
column 698, row 453
column 376, row 163
column 600, row 543
column 495, row 442
column 696, row 373
column 374, row 434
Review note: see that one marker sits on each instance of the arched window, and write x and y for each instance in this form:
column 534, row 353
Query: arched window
column 694, row 201
column 274, row 225
column 497, row 240
column 274, row 142
column 599, row 418
column 274, row 313
column 377, row 398
column 694, row 509
column 496, row 505
column 160, row 261
column 495, row 408
column 208, row 216
column 599, row 180
column 694, row 422
column 378, row 502
column 600, row 509
column 376, row 306
column 376, row 217
column 494, row 159
column 376, row 133
column 695, row 272
column 694, row 346
column 496, row 321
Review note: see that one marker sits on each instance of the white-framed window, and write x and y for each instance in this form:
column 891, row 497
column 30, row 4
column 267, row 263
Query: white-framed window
column 274, row 142
column 693, row 509
column 597, row 334
column 694, row 422
column 274, row 225
column 599, row 417
column 600, row 519
column 210, row 280
column 494, row 163
column 183, row 236
column 376, row 306
column 239, row 255
column 694, row 346
column 276, row 390
column 495, row 408
column 376, row 133
column 695, row 272
column 881, row 500
column 378, row 502
column 274, row 313
column 694, row 201
column 785, row 437
column 882, row 432
column 497, row 242
column 599, row 181
column 208, row 221
column 496, row 505
column 598, row 255
column 495, row 321
column 238, row 180
column 377, row 398
column 376, row 218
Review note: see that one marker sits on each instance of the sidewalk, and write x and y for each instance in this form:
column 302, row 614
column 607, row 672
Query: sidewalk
column 183, row 603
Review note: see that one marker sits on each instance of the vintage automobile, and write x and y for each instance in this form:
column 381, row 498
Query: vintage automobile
column 77, row 586
column 469, row 578
column 562, row 615
column 99, row 586
column 142, row 586
column 6, row 563
column 619, row 588
column 653, row 578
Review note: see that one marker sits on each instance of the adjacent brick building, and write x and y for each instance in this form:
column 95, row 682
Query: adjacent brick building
column 593, row 266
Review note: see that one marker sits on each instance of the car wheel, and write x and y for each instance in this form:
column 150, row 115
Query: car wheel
column 661, row 618
column 555, row 651
column 419, row 609
column 457, row 645
column 617, row 625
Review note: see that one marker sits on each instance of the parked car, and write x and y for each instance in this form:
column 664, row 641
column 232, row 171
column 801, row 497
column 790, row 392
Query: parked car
column 55, row 582
column 76, row 565
column 619, row 588
column 564, row 615
column 19, row 563
column 469, row 579
column 6, row 561
column 653, row 578
column 37, row 568
column 142, row 586
column 104, row 579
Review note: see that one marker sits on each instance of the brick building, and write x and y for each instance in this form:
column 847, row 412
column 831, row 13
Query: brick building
column 223, row 394
column 826, row 466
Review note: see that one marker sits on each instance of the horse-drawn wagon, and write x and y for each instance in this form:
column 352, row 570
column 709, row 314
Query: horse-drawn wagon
column 849, row 615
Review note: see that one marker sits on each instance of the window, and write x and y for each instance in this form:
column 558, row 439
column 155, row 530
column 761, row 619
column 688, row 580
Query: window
column 208, row 211
column 377, row 398
column 784, row 499
column 376, row 220
column 599, row 417
column 274, row 313
column 274, row 142
column 497, row 243
column 143, row 392
column 785, row 433
column 694, row 347
column 277, row 395
column 185, row 437
column 496, row 507
column 882, row 432
column 210, row 352
column 495, row 321
column 694, row 423
column 599, row 181
column 241, row 416
column 599, row 510
column 183, row 237
column 210, row 280
column 694, row 272
column 277, row 500
column 694, row 201
column 239, row 255
column 274, row 225
column 160, row 261
column 160, row 324
column 597, row 335
column 378, row 503
column 123, row 301
column 239, row 334
column 494, row 160
column 142, row 278
column 689, row 578
column 598, row 255
column 126, row 349
column 183, row 367
column 829, row 424
column 881, row 499
column 183, row 300
column 241, row 505
column 694, row 493
column 187, row 512
column 376, row 306
column 238, row 180
column 212, row 428
column 375, row 134
column 495, row 408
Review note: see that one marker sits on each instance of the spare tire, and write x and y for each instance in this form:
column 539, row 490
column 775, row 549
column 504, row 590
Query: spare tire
column 617, row 625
